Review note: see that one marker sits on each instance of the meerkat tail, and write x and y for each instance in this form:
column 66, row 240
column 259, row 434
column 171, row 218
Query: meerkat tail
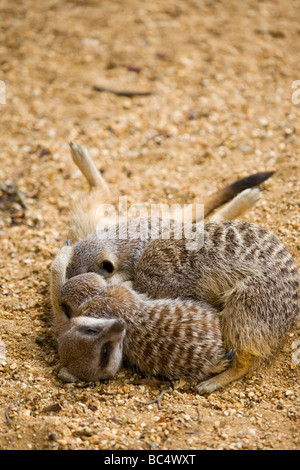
column 192, row 213
column 225, row 194
column 86, row 165
column 242, row 203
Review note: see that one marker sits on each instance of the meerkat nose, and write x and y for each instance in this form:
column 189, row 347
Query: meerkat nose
column 118, row 326
column 122, row 323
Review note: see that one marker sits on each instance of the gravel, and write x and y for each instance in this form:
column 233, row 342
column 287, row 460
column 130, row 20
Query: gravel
column 221, row 107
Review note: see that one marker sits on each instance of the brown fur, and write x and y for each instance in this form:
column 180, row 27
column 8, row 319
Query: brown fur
column 117, row 260
column 245, row 272
column 242, row 270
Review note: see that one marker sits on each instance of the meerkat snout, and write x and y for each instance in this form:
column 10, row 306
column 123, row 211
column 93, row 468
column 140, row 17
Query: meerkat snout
column 92, row 348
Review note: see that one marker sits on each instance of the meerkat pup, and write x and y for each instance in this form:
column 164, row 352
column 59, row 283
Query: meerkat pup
column 242, row 270
column 170, row 338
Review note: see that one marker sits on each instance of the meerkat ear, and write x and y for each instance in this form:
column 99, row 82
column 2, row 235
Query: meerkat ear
column 108, row 264
column 66, row 309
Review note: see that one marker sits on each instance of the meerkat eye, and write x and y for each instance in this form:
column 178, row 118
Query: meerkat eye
column 66, row 309
column 107, row 266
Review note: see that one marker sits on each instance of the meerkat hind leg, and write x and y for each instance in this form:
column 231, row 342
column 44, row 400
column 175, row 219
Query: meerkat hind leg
column 239, row 368
column 86, row 165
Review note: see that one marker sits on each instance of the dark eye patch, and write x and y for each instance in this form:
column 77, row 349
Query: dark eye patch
column 66, row 309
column 105, row 355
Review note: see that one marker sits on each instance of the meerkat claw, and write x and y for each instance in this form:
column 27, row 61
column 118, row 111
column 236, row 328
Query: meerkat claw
column 230, row 357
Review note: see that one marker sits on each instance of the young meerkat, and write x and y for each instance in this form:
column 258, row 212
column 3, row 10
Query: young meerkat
column 172, row 338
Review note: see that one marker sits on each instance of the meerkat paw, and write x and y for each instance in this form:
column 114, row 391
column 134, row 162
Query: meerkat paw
column 248, row 198
column 224, row 363
column 240, row 365
column 78, row 152
column 65, row 251
column 227, row 359
column 208, row 386
column 62, row 258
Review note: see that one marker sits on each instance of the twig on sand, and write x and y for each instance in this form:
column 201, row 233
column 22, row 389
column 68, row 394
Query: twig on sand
column 128, row 93
column 157, row 399
column 7, row 416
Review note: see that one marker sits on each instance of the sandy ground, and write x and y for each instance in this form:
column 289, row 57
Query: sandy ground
column 222, row 107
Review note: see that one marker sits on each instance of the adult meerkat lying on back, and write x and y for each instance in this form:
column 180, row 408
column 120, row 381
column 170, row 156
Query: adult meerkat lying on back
column 85, row 217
